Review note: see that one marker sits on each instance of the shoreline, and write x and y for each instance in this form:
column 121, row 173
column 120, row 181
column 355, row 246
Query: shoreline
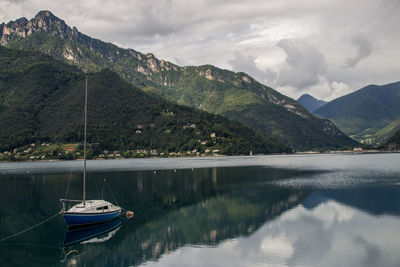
column 372, row 151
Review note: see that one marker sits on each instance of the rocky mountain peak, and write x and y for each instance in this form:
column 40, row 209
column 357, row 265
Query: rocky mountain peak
column 44, row 21
column 47, row 22
column 18, row 23
column 46, row 14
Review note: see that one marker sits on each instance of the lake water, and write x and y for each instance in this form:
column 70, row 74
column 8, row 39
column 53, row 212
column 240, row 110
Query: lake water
column 295, row 210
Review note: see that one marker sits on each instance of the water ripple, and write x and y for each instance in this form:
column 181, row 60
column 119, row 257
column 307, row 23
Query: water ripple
column 341, row 179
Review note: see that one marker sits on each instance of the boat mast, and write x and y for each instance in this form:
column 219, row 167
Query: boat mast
column 84, row 146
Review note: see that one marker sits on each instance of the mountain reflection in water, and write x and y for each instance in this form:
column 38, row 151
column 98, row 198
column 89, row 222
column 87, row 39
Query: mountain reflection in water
column 172, row 209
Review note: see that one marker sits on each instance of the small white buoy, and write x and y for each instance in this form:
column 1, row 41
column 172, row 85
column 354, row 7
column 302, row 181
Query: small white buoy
column 174, row 170
column 155, row 172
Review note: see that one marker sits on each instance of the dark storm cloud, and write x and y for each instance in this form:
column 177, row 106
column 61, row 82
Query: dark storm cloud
column 364, row 47
column 304, row 64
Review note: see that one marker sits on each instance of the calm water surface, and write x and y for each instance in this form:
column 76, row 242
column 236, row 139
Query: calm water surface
column 312, row 210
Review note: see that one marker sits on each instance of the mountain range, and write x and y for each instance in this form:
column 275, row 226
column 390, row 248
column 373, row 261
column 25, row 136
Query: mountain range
column 366, row 111
column 41, row 100
column 310, row 102
column 236, row 96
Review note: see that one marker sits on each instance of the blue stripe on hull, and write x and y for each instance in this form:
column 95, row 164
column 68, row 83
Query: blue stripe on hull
column 76, row 219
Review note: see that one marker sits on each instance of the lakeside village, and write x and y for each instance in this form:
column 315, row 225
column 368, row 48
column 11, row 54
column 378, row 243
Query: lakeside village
column 60, row 151
column 207, row 146
column 48, row 151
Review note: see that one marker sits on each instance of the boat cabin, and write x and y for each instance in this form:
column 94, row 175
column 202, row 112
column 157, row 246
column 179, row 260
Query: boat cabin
column 93, row 206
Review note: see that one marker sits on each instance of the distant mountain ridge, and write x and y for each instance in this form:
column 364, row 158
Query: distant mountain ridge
column 310, row 102
column 234, row 95
column 365, row 111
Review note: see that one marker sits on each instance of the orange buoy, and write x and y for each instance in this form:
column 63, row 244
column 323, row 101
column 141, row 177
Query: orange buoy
column 129, row 214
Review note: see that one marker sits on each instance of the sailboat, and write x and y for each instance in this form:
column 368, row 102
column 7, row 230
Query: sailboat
column 88, row 212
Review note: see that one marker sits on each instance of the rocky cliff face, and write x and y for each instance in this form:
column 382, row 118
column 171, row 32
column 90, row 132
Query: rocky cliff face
column 44, row 21
column 48, row 23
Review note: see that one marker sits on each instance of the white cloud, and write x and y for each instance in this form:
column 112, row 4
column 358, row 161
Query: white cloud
column 338, row 89
column 241, row 63
column 278, row 247
column 278, row 29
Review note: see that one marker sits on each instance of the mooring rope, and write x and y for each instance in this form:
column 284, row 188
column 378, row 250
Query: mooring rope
column 30, row 228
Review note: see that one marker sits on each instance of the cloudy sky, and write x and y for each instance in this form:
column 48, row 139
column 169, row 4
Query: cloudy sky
column 326, row 48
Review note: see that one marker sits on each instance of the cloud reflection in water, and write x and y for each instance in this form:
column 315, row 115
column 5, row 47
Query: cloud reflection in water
column 329, row 234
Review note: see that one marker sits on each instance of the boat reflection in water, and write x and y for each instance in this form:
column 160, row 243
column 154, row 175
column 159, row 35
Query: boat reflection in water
column 93, row 234
column 75, row 240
